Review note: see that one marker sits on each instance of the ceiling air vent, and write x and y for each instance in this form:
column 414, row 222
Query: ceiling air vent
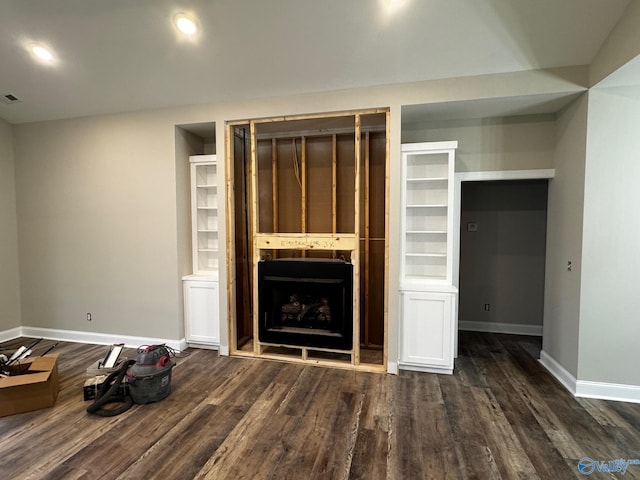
column 9, row 98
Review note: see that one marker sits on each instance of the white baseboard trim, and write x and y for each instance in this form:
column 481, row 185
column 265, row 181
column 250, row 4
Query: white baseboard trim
column 608, row 391
column 588, row 389
column 510, row 328
column 224, row 350
column 558, row 371
column 204, row 346
column 98, row 338
column 422, row 368
column 10, row 334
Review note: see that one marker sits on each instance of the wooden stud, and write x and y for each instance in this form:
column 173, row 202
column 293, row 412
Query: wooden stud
column 230, row 240
column 274, row 183
column 385, row 350
column 303, row 188
column 355, row 253
column 334, row 185
column 253, row 229
column 367, row 220
column 274, row 188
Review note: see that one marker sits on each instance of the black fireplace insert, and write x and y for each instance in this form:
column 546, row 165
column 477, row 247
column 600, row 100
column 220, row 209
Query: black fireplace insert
column 306, row 302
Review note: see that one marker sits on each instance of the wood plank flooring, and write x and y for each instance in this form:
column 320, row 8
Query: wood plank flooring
column 501, row 415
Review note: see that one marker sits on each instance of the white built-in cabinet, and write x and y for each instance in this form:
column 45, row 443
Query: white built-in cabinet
column 428, row 296
column 201, row 289
column 202, row 322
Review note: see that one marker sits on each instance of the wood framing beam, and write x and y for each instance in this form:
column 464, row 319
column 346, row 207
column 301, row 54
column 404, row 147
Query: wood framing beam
column 274, row 183
column 303, row 188
column 367, row 220
column 253, row 230
column 230, row 238
column 385, row 350
column 355, row 253
column 302, row 241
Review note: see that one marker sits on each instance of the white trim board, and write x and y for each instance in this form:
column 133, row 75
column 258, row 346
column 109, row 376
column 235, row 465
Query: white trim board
column 424, row 369
column 493, row 327
column 558, row 371
column 91, row 337
column 588, row 389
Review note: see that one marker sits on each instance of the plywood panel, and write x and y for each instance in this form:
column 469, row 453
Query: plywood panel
column 375, row 300
column 346, row 179
column 244, row 325
column 377, row 185
column 265, row 186
column 289, row 190
column 372, row 229
column 319, row 184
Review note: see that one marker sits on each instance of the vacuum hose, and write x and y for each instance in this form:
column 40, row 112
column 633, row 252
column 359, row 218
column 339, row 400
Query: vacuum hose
column 107, row 394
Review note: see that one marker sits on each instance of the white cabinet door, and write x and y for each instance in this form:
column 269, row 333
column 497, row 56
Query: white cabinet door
column 427, row 331
column 202, row 324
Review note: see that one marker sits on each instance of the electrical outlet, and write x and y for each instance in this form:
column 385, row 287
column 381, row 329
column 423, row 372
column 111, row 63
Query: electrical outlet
column 487, row 307
column 88, row 317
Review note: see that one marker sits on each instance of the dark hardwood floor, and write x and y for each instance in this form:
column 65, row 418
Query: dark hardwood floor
column 501, row 415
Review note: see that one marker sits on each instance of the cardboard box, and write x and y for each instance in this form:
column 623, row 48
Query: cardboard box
column 37, row 387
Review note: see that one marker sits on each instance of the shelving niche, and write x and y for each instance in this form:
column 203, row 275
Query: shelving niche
column 204, row 208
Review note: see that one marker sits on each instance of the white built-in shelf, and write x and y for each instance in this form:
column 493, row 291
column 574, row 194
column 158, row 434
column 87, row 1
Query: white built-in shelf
column 427, row 206
column 427, row 179
column 427, row 198
column 204, row 214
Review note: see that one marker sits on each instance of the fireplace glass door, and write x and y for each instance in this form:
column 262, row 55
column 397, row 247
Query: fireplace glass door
column 306, row 303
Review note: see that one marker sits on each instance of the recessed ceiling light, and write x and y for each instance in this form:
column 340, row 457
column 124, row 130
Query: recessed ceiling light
column 41, row 52
column 186, row 24
column 393, row 4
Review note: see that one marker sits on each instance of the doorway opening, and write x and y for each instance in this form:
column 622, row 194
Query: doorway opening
column 502, row 256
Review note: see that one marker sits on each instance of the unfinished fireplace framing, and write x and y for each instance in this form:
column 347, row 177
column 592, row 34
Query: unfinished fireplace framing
column 307, row 238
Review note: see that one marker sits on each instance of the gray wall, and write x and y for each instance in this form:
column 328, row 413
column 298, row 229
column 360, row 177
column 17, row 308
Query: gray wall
column 10, row 316
column 610, row 297
column 97, row 225
column 564, row 238
column 512, row 143
column 502, row 262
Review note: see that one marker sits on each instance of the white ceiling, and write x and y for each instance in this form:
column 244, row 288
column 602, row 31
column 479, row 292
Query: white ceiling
column 124, row 55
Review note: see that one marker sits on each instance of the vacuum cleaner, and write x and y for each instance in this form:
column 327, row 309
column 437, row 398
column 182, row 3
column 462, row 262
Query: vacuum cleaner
column 148, row 379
